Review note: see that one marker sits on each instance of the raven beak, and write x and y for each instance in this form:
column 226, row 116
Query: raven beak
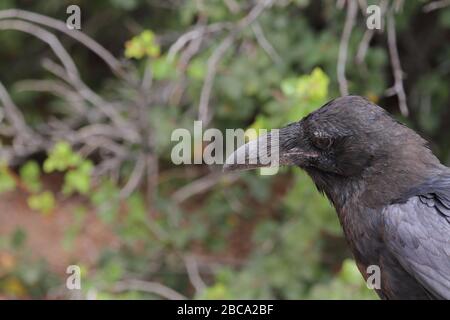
column 272, row 150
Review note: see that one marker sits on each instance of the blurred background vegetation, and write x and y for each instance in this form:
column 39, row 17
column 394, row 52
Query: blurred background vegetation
column 86, row 176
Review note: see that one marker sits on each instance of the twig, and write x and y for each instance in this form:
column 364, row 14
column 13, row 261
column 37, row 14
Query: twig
column 71, row 73
column 363, row 6
column 12, row 112
column 233, row 6
column 47, row 37
column 398, row 5
column 105, row 107
column 208, row 82
column 340, row 4
column 149, row 287
column 435, row 5
column 265, row 44
column 98, row 129
column 135, row 177
column 191, row 35
column 215, row 58
column 194, row 274
column 364, row 45
column 352, row 10
column 58, row 89
column 368, row 35
column 87, row 41
column 200, row 185
column 396, row 65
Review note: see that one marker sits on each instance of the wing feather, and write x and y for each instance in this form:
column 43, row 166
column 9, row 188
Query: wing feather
column 417, row 232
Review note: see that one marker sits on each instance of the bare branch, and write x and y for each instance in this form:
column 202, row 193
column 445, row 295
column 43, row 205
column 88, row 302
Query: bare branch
column 435, row 5
column 105, row 107
column 364, row 45
column 194, row 274
column 24, row 140
column 265, row 44
column 194, row 34
column 363, row 6
column 135, row 178
column 57, row 88
column 215, row 58
column 46, row 37
column 340, row 4
column 149, row 287
column 70, row 73
column 352, row 10
column 12, row 112
column 233, row 6
column 368, row 35
column 213, row 62
column 201, row 185
column 87, row 41
column 98, row 129
column 398, row 5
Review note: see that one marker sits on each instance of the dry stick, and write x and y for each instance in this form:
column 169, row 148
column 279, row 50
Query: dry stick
column 396, row 66
column 435, row 5
column 100, row 142
column 212, row 64
column 149, row 287
column 363, row 6
column 368, row 35
column 109, row 165
column 87, row 41
column 233, row 6
column 97, row 101
column 194, row 274
column 191, row 50
column 352, row 9
column 215, row 58
column 25, row 140
column 364, row 45
column 135, row 178
column 71, row 73
column 12, row 112
column 340, row 4
column 201, row 185
column 47, row 37
column 150, row 159
column 265, row 44
column 194, row 34
column 152, row 177
column 98, row 129
column 56, row 88
column 398, row 5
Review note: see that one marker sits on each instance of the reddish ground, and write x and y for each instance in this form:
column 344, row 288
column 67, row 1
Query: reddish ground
column 45, row 233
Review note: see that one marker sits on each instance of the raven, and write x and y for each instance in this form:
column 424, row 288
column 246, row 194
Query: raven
column 391, row 194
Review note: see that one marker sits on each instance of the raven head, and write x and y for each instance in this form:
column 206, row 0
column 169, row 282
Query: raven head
column 347, row 141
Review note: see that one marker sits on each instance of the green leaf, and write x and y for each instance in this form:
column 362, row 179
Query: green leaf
column 7, row 182
column 61, row 157
column 142, row 45
column 30, row 174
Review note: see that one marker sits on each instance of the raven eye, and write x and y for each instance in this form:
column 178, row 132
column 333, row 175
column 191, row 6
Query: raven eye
column 322, row 141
